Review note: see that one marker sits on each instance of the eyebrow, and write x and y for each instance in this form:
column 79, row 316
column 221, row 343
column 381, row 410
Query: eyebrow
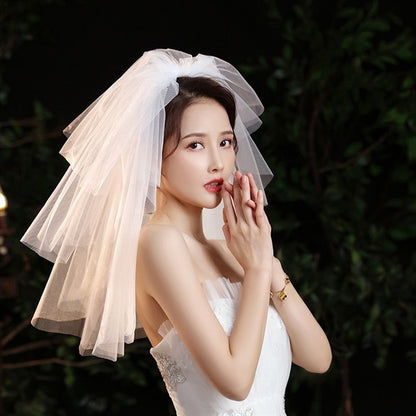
column 204, row 135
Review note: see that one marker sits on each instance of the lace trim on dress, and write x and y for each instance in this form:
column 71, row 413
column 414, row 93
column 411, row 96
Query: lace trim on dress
column 240, row 412
column 171, row 373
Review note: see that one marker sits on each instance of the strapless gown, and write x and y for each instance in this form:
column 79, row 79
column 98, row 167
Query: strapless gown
column 193, row 394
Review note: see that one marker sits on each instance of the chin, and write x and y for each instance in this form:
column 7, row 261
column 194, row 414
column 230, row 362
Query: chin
column 213, row 204
column 204, row 201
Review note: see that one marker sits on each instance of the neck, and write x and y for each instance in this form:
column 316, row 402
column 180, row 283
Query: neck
column 187, row 218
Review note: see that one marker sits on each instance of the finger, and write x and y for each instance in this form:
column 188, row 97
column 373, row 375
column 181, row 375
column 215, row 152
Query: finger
column 250, row 203
column 253, row 186
column 226, row 232
column 224, row 215
column 245, row 199
column 237, row 194
column 253, row 192
column 260, row 215
column 228, row 210
column 228, row 187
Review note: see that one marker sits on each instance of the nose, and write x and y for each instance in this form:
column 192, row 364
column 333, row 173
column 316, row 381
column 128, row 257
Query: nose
column 216, row 163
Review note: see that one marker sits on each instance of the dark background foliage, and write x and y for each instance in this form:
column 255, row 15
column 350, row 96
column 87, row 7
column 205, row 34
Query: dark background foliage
column 338, row 83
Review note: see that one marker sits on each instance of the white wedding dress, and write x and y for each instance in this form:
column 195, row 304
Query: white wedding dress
column 194, row 395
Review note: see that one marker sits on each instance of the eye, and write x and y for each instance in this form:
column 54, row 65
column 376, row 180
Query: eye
column 226, row 143
column 195, row 145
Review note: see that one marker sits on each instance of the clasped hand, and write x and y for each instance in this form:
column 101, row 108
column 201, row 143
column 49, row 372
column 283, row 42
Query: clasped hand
column 246, row 227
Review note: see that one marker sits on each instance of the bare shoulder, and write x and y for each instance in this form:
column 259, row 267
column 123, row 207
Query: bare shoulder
column 162, row 253
column 159, row 237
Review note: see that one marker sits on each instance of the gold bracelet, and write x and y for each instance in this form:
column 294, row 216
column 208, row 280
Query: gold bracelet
column 281, row 292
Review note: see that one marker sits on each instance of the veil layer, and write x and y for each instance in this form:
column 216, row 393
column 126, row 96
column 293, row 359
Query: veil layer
column 90, row 225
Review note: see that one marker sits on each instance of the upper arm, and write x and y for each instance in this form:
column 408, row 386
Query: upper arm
column 170, row 279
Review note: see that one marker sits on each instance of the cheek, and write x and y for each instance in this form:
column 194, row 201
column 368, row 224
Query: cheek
column 233, row 157
column 179, row 167
column 187, row 163
column 230, row 160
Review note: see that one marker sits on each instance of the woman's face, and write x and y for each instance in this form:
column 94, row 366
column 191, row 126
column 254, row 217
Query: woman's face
column 204, row 157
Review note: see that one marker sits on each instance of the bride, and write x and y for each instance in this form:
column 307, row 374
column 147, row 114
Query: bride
column 129, row 231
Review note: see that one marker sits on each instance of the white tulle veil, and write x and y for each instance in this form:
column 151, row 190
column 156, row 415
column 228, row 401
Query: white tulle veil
column 90, row 225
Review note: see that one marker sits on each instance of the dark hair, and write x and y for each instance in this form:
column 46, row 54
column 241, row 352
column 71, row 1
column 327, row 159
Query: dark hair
column 192, row 89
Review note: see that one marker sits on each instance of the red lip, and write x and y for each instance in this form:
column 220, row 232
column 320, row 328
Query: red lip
column 214, row 186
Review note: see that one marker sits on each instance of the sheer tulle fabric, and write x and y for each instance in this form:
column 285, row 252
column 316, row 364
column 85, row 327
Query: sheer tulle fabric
column 90, row 225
